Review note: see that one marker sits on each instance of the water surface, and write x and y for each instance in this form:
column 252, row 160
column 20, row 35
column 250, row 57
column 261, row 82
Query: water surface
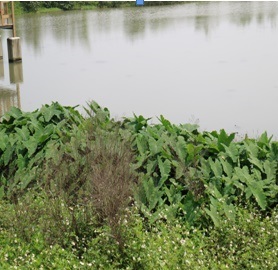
column 214, row 63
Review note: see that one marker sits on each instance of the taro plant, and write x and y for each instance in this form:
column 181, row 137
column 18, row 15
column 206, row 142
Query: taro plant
column 24, row 139
column 188, row 171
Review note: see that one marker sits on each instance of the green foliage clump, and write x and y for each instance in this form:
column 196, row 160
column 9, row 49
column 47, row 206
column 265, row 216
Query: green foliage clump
column 30, row 6
column 93, row 193
column 24, row 141
column 193, row 174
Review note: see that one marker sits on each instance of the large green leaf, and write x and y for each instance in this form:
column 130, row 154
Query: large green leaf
column 257, row 191
column 213, row 213
column 216, row 167
column 31, row 145
column 270, row 169
column 141, row 144
column 155, row 146
column 227, row 167
column 8, row 153
column 232, row 151
column 49, row 111
column 255, row 186
column 4, row 139
column 229, row 211
column 181, row 148
column 252, row 148
column 257, row 163
column 224, row 139
column 166, row 123
column 153, row 194
column 165, row 168
column 179, row 169
column 23, row 133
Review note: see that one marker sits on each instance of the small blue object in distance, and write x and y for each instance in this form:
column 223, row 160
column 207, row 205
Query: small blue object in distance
column 139, row 2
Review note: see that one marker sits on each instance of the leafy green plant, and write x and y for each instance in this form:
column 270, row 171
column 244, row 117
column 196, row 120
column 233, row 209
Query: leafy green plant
column 24, row 139
column 211, row 166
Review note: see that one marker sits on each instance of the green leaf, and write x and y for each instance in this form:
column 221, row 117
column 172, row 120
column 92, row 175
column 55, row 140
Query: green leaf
column 166, row 123
column 49, row 111
column 12, row 114
column 7, row 155
column 189, row 127
column 251, row 148
column 141, row 144
column 31, row 146
column 229, row 211
column 21, row 162
column 214, row 192
column 216, row 167
column 224, row 139
column 214, row 215
column 23, row 133
column 190, row 207
column 26, row 180
column 153, row 195
column 165, row 168
column 264, row 139
column 227, row 167
column 257, row 191
column 254, row 186
column 151, row 166
column 257, row 163
column 190, row 151
column 270, row 169
column 179, row 169
column 181, row 148
column 231, row 151
column 4, row 139
column 155, row 146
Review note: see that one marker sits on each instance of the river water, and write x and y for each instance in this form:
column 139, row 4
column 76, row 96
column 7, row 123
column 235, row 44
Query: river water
column 211, row 63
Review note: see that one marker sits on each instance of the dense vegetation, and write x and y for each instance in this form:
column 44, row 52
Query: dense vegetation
column 89, row 192
column 42, row 6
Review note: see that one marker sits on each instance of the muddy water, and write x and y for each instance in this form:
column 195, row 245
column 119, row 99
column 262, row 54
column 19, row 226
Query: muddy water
column 214, row 63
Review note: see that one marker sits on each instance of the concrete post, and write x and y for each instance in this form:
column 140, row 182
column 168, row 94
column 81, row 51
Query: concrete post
column 14, row 49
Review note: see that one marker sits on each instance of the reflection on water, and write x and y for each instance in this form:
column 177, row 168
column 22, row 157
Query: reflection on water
column 74, row 26
column 63, row 27
column 2, row 73
column 10, row 94
column 16, row 73
column 215, row 61
column 9, row 97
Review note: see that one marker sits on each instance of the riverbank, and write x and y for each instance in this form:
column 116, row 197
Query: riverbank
column 54, row 6
column 89, row 192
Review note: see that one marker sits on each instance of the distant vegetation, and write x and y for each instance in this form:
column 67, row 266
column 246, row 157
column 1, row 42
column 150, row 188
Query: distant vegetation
column 44, row 6
column 89, row 192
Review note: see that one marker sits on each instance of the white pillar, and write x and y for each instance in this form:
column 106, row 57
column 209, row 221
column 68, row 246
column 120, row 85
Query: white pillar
column 14, row 49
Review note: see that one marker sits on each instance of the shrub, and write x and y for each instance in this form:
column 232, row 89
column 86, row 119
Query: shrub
column 30, row 6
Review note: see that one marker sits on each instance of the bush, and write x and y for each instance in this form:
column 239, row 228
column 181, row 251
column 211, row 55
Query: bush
column 30, row 6
column 203, row 201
